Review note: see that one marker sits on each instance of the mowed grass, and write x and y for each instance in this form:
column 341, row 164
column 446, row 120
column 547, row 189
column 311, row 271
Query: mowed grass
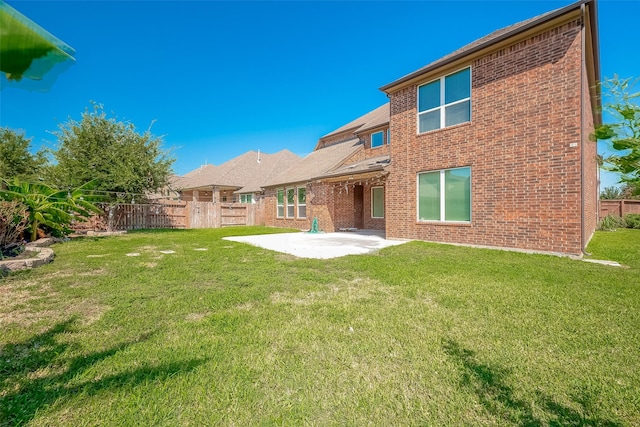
column 416, row 334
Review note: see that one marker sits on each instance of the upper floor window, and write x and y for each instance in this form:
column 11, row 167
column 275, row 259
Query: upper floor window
column 445, row 102
column 377, row 139
column 246, row 198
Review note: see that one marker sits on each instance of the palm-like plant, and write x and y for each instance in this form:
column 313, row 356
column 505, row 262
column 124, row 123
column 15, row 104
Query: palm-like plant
column 50, row 206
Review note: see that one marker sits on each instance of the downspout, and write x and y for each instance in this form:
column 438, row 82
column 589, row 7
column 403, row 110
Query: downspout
column 583, row 45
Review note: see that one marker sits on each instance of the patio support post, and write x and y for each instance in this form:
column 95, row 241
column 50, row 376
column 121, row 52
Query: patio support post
column 216, row 194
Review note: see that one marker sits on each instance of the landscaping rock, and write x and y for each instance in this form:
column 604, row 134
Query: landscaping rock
column 43, row 256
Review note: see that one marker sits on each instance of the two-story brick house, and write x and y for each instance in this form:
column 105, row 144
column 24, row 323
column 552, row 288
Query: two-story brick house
column 487, row 146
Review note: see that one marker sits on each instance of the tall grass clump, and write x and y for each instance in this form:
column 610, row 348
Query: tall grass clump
column 612, row 223
column 632, row 221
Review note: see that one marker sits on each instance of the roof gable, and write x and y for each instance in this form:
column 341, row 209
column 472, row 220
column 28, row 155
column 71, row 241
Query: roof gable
column 378, row 117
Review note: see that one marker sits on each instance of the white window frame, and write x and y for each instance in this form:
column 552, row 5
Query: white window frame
column 286, row 203
column 280, row 205
column 381, row 136
column 442, row 198
column 299, row 205
column 244, row 196
column 443, row 106
column 373, row 188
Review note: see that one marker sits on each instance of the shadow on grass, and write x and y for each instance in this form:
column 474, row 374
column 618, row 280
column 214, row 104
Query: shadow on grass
column 34, row 374
column 490, row 385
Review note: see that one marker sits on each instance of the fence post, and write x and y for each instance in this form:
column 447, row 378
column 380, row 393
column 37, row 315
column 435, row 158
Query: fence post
column 187, row 215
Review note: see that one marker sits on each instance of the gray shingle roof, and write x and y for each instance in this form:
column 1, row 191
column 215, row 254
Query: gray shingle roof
column 486, row 41
column 200, row 177
column 244, row 171
column 317, row 164
column 375, row 118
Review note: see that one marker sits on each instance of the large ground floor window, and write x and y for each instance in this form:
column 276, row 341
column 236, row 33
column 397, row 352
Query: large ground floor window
column 288, row 199
column 302, row 202
column 291, row 200
column 445, row 195
column 280, row 203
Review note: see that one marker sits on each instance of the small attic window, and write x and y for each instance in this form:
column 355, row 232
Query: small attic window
column 377, row 139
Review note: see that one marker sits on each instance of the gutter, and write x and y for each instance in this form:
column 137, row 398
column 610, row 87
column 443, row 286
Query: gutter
column 595, row 39
column 583, row 65
column 351, row 173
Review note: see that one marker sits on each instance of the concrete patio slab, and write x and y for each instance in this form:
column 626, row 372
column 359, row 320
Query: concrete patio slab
column 322, row 245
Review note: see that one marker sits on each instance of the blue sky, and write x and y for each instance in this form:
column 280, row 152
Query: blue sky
column 220, row 78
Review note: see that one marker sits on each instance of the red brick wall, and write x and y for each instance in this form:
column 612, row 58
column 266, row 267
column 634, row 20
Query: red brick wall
column 269, row 213
column 331, row 203
column 525, row 175
column 320, row 204
column 377, row 151
column 334, row 139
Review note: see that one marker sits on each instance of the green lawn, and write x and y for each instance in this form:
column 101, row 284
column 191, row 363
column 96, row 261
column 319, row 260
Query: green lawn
column 417, row 334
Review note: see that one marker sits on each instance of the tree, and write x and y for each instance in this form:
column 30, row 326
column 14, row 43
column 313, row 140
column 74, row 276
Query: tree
column 49, row 206
column 631, row 191
column 123, row 162
column 627, row 191
column 624, row 132
column 611, row 193
column 16, row 161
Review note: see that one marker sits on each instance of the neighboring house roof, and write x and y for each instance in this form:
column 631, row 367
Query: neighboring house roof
column 373, row 119
column 247, row 172
column 196, row 178
column 318, row 163
column 271, row 166
column 494, row 38
column 170, row 187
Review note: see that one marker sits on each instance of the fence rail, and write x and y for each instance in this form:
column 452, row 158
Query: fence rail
column 178, row 214
column 619, row 208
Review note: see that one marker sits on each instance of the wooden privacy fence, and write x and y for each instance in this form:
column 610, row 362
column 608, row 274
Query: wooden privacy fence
column 177, row 214
column 216, row 215
column 619, row 207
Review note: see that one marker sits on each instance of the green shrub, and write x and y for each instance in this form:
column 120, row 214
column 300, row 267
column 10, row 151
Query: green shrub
column 633, row 221
column 13, row 224
column 612, row 223
column 50, row 207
